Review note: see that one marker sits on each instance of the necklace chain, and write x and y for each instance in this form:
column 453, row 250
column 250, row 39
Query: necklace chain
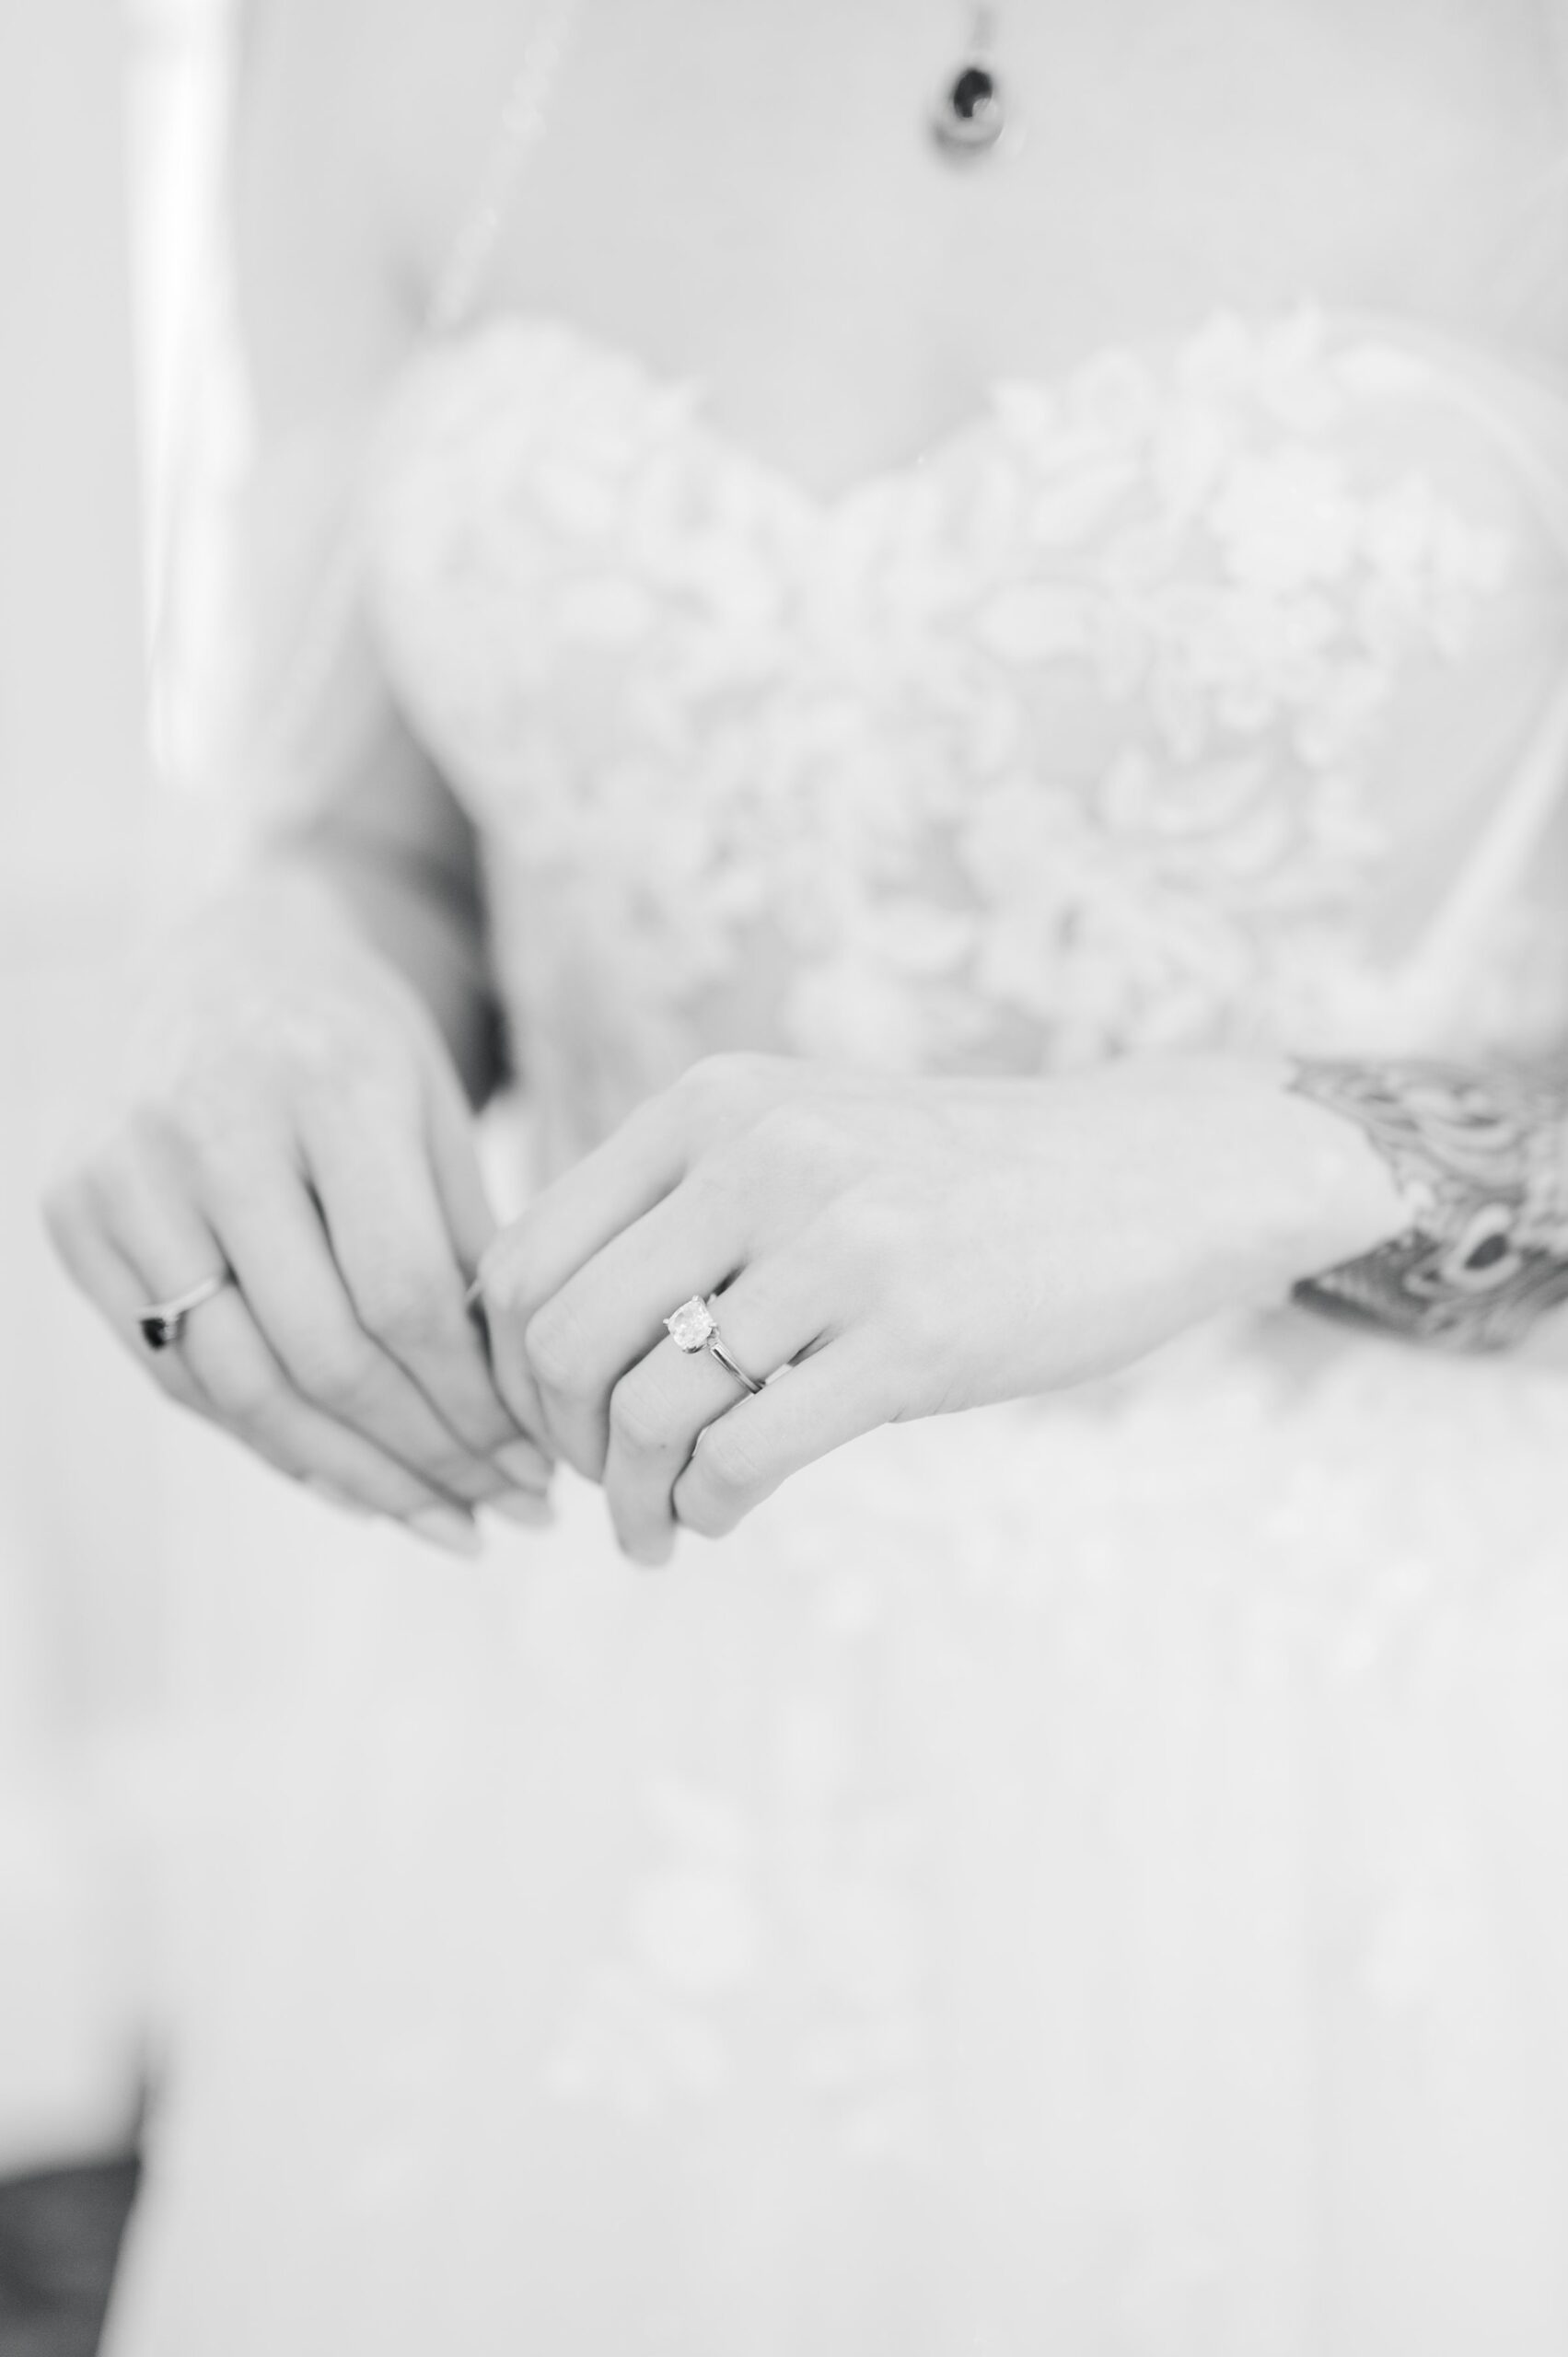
column 966, row 122
column 461, row 281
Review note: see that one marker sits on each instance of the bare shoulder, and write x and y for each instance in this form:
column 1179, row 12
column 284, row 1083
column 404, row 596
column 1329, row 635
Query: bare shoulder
column 361, row 125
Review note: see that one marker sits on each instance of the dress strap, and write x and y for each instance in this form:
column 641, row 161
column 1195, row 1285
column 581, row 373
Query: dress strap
column 460, row 281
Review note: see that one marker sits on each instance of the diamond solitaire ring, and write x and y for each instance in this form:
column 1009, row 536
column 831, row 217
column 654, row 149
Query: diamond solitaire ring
column 695, row 1327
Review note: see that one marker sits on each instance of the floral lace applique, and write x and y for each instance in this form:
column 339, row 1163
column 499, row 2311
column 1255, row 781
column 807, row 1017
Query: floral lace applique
column 1056, row 744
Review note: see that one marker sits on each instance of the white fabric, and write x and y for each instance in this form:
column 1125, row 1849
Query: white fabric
column 1086, row 1876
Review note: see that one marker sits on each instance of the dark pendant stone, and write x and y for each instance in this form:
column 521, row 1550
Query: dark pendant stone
column 157, row 1333
column 969, row 117
column 973, row 89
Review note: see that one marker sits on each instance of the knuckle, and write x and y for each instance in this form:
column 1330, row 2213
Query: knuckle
column 451, row 1470
column 725, row 1070
column 486, row 1425
column 312, row 1038
column 363, row 1086
column 733, row 1084
column 699, row 1511
column 729, row 1462
column 923, row 1327
column 869, row 1229
column 218, row 1147
column 148, row 1128
column 319, row 1056
column 403, row 1307
column 509, row 1269
column 639, row 1421
column 801, row 1133
column 552, row 1345
column 705, row 1506
column 336, row 1370
column 246, row 1392
column 110, row 1170
column 177, row 1385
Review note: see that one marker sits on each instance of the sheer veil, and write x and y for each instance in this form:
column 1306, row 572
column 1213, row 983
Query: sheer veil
column 266, row 683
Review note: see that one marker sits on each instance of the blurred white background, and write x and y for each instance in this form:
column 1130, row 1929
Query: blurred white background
column 95, row 101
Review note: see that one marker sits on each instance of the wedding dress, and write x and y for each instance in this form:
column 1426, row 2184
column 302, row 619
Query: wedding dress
column 1085, row 1877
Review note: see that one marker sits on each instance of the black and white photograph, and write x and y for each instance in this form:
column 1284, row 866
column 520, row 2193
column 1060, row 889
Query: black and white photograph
column 783, row 1208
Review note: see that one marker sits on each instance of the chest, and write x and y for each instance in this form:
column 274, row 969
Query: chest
column 747, row 195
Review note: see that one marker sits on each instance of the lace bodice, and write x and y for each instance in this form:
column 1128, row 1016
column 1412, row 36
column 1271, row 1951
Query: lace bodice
column 1112, row 723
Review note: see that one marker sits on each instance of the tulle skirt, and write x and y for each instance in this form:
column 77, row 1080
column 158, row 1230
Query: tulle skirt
column 1088, row 1876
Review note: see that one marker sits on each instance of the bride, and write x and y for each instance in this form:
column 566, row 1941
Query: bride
column 961, row 622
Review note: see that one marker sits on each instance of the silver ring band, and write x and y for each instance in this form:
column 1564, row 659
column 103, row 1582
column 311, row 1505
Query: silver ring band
column 695, row 1327
column 162, row 1321
column 720, row 1351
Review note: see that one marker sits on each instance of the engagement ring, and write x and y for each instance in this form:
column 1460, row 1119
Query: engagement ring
column 695, row 1327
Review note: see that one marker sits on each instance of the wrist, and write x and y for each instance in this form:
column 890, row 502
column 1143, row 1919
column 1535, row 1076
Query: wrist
column 1306, row 1189
column 397, row 913
column 1480, row 1160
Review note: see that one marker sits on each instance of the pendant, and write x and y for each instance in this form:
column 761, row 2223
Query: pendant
column 969, row 117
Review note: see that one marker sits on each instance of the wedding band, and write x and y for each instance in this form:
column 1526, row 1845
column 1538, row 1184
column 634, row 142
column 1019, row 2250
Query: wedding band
column 162, row 1321
column 693, row 1328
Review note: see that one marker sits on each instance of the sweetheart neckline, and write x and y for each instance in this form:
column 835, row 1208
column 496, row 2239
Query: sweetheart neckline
column 696, row 394
column 1483, row 373
column 1304, row 317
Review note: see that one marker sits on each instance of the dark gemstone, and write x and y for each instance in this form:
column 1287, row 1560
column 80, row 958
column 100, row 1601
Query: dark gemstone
column 1487, row 1254
column 972, row 93
column 157, row 1333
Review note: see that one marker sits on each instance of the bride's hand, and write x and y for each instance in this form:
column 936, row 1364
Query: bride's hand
column 903, row 1246
column 289, row 1112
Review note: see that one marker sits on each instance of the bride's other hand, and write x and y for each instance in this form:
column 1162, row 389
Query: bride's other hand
column 903, row 1246
column 289, row 1112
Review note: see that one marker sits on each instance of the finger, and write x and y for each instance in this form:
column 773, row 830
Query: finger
column 838, row 1393
column 612, row 1313
column 263, row 1227
column 581, row 1211
column 772, row 1314
column 577, row 1215
column 276, row 1243
column 245, row 1398
column 235, row 1381
column 120, row 1295
column 252, row 1397
column 398, row 1258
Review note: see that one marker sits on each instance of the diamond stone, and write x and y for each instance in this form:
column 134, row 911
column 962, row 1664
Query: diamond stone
column 690, row 1325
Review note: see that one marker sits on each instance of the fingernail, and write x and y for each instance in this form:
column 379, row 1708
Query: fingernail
column 648, row 1558
column 329, row 1494
column 523, row 1464
column 445, row 1526
column 526, row 1506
